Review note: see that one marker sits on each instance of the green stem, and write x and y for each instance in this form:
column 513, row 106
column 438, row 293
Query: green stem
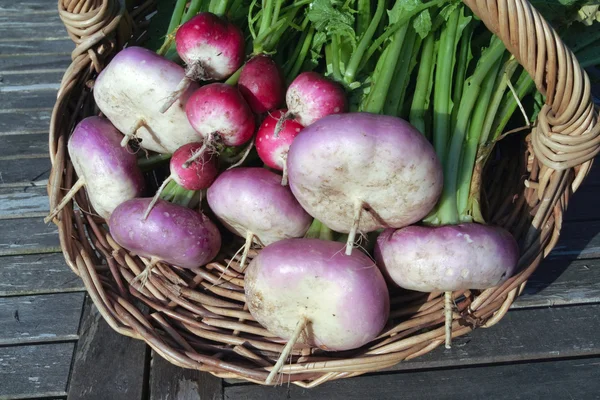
column 380, row 87
column 314, row 230
column 363, row 17
column 218, row 7
column 173, row 25
column 463, row 59
column 424, row 84
column 147, row 163
column 335, row 57
column 443, row 86
column 169, row 191
column 289, row 64
column 509, row 104
column 355, row 61
column 182, row 196
column 395, row 98
column 193, row 9
column 448, row 211
column 473, row 140
column 233, row 79
column 302, row 56
column 265, row 21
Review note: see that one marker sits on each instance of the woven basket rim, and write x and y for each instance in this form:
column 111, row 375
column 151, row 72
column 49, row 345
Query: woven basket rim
column 197, row 324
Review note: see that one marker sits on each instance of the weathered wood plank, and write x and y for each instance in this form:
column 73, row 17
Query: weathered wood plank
column 28, row 25
column 10, row 6
column 579, row 240
column 569, row 379
column 19, row 145
column 36, row 46
column 23, row 170
column 27, row 236
column 562, row 282
column 168, row 381
column 14, row 125
column 107, row 365
column 39, row 62
column 37, row 274
column 27, row 100
column 41, row 318
column 32, row 77
column 35, row 371
column 16, row 202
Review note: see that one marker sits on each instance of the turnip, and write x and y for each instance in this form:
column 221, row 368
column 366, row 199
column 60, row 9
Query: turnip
column 272, row 147
column 172, row 233
column 108, row 171
column 252, row 203
column 262, row 84
column 359, row 172
column 129, row 92
column 308, row 290
column 219, row 113
column 311, row 97
column 198, row 175
column 212, row 49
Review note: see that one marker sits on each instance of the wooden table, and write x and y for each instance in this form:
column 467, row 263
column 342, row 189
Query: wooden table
column 54, row 344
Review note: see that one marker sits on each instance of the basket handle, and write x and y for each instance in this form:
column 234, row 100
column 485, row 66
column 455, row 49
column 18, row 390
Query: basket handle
column 567, row 133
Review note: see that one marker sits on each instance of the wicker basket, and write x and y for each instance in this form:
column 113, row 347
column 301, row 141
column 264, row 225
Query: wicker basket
column 196, row 324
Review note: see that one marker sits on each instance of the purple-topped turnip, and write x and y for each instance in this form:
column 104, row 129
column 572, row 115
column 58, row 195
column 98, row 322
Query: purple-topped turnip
column 309, row 291
column 108, row 171
column 129, row 92
column 211, row 47
column 359, row 172
column 252, row 203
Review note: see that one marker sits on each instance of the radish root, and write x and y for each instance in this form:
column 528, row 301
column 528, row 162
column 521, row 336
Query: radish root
column 247, row 245
column 284, row 176
column 448, row 315
column 244, row 156
column 194, row 71
column 156, row 196
column 70, row 194
column 207, row 145
column 279, row 125
column 358, row 206
column 287, row 350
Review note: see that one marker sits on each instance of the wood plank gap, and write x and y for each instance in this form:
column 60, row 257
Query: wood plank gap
column 30, row 88
column 23, row 156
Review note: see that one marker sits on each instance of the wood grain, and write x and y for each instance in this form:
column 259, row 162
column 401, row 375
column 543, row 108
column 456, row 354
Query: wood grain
column 578, row 240
column 23, row 122
column 21, row 171
column 39, row 62
column 36, row 47
column 37, row 274
column 565, row 379
column 41, row 318
column 31, row 6
column 35, row 371
column 27, row 236
column 25, row 202
column 168, row 381
column 22, row 145
column 27, row 100
column 106, row 365
column 25, row 77
column 27, row 25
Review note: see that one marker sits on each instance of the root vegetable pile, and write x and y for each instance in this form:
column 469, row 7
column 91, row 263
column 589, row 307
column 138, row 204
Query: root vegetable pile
column 314, row 131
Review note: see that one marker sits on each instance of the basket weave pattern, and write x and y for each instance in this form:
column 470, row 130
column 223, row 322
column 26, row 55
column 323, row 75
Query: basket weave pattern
column 198, row 318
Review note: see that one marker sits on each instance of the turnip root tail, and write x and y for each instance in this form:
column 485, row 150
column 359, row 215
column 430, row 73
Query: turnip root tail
column 358, row 206
column 70, row 194
column 131, row 134
column 448, row 315
column 143, row 276
column 279, row 125
column 286, row 350
column 284, row 176
column 249, row 238
column 194, row 71
column 157, row 196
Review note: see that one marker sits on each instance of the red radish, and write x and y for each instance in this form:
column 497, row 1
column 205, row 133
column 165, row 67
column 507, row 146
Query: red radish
column 171, row 233
column 219, row 113
column 251, row 203
column 273, row 147
column 308, row 290
column 261, row 83
column 212, row 48
column 311, row 97
column 129, row 92
column 107, row 170
column 198, row 175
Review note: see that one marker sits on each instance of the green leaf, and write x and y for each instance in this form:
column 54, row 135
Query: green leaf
column 159, row 23
column 422, row 24
column 331, row 17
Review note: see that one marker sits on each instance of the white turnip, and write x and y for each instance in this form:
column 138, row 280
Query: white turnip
column 359, row 172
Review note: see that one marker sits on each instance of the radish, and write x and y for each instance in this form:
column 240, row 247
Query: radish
column 211, row 47
column 252, row 203
column 311, row 97
column 129, row 92
column 359, row 172
column 447, row 258
column 309, row 291
column 272, row 147
column 198, row 175
column 171, row 233
column 108, row 171
column 261, row 83
column 219, row 113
